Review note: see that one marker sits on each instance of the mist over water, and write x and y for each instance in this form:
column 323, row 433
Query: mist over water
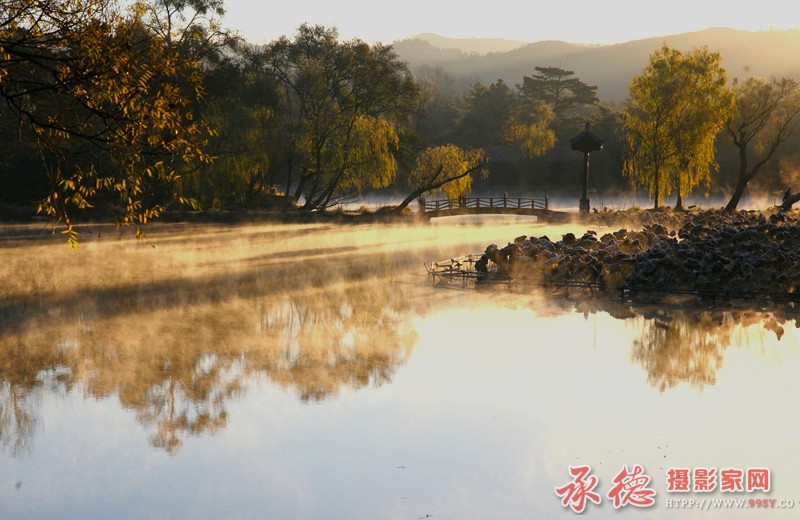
column 317, row 371
column 567, row 199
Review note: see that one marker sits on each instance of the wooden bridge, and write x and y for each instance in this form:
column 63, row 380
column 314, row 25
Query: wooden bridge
column 485, row 205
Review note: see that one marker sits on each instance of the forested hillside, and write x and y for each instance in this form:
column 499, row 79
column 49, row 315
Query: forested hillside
column 610, row 67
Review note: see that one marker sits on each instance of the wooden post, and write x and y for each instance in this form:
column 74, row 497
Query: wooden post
column 584, row 203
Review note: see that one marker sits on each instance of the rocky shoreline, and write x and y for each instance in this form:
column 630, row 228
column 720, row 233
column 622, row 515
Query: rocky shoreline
column 706, row 254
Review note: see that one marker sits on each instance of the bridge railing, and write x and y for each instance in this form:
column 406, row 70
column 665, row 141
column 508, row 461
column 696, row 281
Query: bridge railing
column 503, row 202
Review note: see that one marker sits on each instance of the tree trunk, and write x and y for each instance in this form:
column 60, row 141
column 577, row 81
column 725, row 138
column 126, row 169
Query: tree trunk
column 433, row 185
column 301, row 185
column 789, row 201
column 679, row 203
column 325, row 198
column 657, row 190
column 743, row 179
column 737, row 195
column 419, row 191
column 657, row 196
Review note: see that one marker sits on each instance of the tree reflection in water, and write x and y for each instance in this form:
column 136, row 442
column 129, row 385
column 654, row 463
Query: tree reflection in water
column 179, row 336
column 332, row 339
column 176, row 332
column 677, row 348
column 18, row 416
column 177, row 368
column 26, row 373
column 679, row 345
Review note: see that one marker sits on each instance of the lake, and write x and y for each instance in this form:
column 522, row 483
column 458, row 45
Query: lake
column 316, row 371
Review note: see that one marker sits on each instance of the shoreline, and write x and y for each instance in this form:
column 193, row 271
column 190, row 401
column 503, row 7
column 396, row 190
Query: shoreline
column 707, row 255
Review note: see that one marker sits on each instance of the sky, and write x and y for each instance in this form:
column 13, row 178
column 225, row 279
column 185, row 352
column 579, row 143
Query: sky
column 574, row 21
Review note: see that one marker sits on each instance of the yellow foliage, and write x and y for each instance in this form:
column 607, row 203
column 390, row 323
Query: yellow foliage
column 678, row 105
column 441, row 163
column 370, row 161
column 119, row 86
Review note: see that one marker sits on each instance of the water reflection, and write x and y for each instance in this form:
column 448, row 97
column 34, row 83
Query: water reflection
column 18, row 416
column 178, row 369
column 351, row 338
column 682, row 346
column 676, row 348
column 25, row 375
column 174, row 331
column 326, row 363
column 175, row 334
column 176, row 344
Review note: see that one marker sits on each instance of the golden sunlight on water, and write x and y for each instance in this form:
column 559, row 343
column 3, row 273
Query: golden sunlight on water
column 314, row 371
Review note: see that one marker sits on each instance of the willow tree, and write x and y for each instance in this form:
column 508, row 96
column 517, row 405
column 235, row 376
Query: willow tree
column 708, row 104
column 108, row 96
column 341, row 106
column 445, row 169
column 677, row 107
column 765, row 116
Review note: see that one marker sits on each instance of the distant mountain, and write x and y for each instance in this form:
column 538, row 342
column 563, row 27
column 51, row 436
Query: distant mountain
column 470, row 45
column 774, row 53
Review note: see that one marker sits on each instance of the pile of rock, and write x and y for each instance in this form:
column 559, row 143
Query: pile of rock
column 707, row 253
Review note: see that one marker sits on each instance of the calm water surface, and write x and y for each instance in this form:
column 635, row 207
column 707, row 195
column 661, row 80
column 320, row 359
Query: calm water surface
column 316, row 372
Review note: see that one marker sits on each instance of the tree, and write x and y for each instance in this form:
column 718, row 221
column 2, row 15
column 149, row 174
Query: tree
column 341, row 104
column 558, row 88
column 108, row 96
column 678, row 105
column 488, row 112
column 708, row 103
column 497, row 120
column 240, row 104
column 765, row 116
column 445, row 168
column 495, row 116
column 438, row 112
column 530, row 129
column 606, row 167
